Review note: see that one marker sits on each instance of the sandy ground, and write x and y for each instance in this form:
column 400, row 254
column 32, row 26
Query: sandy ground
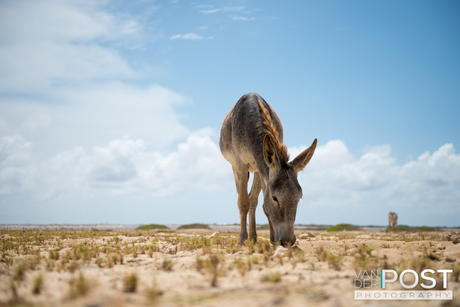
column 196, row 268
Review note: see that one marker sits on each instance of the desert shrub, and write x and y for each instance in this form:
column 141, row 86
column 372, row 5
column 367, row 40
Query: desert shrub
column 272, row 277
column 130, row 282
column 152, row 226
column 78, row 286
column 213, row 265
column 263, row 227
column 342, row 227
column 167, row 265
column 38, row 284
column 405, row 228
column 321, row 253
column 20, row 270
column 194, row 226
column 153, row 292
column 334, row 260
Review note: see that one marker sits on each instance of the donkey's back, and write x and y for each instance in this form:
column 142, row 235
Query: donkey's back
column 243, row 132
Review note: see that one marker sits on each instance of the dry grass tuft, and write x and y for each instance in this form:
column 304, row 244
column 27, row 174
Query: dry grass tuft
column 334, row 260
column 167, row 265
column 240, row 265
column 273, row 277
column 130, row 282
column 213, row 267
column 153, row 293
column 78, row 286
column 38, row 284
column 13, row 284
column 321, row 253
column 20, row 271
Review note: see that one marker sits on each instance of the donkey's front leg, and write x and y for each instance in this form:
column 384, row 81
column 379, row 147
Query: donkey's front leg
column 241, row 180
column 243, row 206
column 254, row 197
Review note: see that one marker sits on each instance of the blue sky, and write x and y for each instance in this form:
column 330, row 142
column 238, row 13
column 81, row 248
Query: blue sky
column 110, row 111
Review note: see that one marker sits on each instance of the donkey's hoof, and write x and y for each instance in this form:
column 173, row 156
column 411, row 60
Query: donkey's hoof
column 296, row 249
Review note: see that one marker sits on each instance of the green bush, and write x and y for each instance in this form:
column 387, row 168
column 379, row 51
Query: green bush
column 152, row 226
column 413, row 228
column 263, row 227
column 194, row 226
column 341, row 227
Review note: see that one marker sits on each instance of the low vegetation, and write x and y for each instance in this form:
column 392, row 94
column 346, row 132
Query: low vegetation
column 135, row 264
column 272, row 277
column 78, row 286
column 342, row 227
column 153, row 226
column 194, row 226
column 405, row 228
column 130, row 282
column 263, row 227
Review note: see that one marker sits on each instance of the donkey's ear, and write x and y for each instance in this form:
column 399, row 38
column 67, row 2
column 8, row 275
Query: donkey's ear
column 270, row 155
column 303, row 158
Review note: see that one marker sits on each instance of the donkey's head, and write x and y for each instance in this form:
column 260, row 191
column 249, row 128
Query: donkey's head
column 283, row 191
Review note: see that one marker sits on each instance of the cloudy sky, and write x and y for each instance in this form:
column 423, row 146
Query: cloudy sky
column 110, row 111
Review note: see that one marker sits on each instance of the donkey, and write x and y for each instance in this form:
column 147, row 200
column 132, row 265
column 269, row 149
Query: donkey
column 392, row 220
column 251, row 139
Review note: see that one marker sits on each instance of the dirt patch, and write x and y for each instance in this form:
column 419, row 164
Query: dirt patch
column 209, row 268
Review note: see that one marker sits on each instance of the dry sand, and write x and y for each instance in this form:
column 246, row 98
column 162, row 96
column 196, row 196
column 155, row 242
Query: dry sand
column 173, row 273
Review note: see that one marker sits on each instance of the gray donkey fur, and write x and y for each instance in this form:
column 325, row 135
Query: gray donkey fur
column 251, row 139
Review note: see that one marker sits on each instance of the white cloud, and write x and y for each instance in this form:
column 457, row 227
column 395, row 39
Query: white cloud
column 233, row 17
column 16, row 165
column 44, row 42
column 333, row 153
column 335, row 180
column 60, row 63
column 337, row 187
column 123, row 167
column 91, row 115
column 188, row 36
column 210, row 10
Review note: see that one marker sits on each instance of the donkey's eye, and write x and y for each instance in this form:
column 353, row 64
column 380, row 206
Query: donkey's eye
column 274, row 198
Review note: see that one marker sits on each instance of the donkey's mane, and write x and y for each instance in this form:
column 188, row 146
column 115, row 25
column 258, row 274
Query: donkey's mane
column 271, row 130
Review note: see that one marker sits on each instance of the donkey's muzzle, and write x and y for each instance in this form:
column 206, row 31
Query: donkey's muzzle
column 287, row 243
column 285, row 236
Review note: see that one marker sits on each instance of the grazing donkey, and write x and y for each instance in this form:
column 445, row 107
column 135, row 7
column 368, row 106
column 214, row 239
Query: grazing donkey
column 392, row 220
column 251, row 139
